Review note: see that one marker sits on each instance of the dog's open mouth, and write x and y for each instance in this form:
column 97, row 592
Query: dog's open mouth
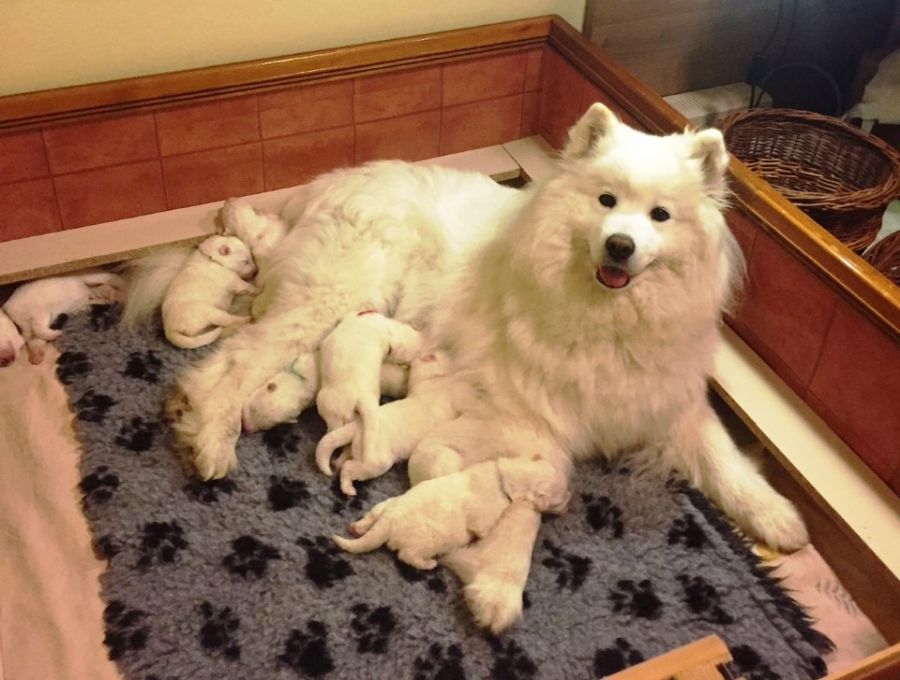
column 612, row 277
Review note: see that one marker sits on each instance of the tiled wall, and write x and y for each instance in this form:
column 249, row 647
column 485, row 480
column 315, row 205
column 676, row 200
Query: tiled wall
column 98, row 170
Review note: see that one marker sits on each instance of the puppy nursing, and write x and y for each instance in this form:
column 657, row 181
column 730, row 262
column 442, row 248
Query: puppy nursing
column 35, row 306
column 443, row 514
column 200, row 294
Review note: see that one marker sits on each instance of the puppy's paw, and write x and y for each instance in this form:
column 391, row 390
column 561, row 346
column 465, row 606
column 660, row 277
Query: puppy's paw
column 495, row 604
column 778, row 523
column 214, row 458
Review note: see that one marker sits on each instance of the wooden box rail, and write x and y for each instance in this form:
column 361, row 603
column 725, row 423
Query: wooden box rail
column 823, row 319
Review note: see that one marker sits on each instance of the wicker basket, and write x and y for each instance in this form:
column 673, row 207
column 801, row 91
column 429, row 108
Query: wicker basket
column 837, row 174
column 885, row 257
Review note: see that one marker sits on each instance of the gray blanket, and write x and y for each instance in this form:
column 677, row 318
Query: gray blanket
column 238, row 578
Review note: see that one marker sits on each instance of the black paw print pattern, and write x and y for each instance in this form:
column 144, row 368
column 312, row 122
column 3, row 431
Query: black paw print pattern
column 571, row 570
column 93, row 407
column 686, row 530
column 637, row 599
column 160, row 543
column 751, row 665
column 601, row 514
column 102, row 317
column 137, row 435
column 434, row 581
column 372, row 628
column 99, row 486
column 306, row 652
column 209, row 492
column 438, row 664
column 126, row 629
column 325, row 564
column 59, row 322
column 218, row 634
column 342, row 502
column 249, row 557
column 704, row 600
column 107, row 547
column 511, row 662
column 282, row 440
column 618, row 657
column 286, row 493
column 143, row 366
column 70, row 365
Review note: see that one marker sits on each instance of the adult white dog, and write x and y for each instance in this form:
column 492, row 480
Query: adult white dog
column 580, row 317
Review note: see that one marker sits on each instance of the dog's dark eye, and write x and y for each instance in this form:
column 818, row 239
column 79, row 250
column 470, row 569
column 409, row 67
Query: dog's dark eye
column 659, row 214
column 607, row 200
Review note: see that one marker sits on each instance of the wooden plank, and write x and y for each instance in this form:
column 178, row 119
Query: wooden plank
column 708, row 651
column 40, row 107
column 883, row 665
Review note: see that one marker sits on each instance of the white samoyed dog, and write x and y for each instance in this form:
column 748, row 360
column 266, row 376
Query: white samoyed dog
column 580, row 318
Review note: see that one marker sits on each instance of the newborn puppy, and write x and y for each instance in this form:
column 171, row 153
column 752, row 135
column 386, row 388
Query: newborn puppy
column 261, row 231
column 200, row 294
column 401, row 424
column 34, row 306
column 350, row 361
column 289, row 393
column 11, row 341
column 445, row 513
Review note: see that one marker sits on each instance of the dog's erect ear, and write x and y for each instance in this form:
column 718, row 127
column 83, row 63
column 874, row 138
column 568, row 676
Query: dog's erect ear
column 708, row 147
column 224, row 250
column 597, row 123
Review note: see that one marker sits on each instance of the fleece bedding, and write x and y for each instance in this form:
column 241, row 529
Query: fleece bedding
column 238, row 577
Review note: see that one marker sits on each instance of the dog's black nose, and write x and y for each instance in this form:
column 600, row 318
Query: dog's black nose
column 620, row 247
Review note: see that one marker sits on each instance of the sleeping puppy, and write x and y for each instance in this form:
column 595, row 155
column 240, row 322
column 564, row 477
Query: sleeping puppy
column 350, row 362
column 34, row 306
column 401, row 425
column 284, row 397
column 261, row 231
column 442, row 514
column 200, row 294
column 11, row 341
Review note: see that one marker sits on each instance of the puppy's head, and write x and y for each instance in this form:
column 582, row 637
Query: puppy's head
column 11, row 341
column 283, row 397
column 638, row 202
column 231, row 253
column 535, row 481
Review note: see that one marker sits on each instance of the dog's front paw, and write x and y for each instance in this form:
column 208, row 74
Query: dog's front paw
column 778, row 523
column 214, row 456
column 495, row 604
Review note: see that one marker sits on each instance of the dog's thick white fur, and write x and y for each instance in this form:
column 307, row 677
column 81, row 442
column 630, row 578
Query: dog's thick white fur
column 401, row 426
column 581, row 315
column 34, row 306
column 445, row 513
column 200, row 294
column 261, row 231
column 350, row 362
column 288, row 394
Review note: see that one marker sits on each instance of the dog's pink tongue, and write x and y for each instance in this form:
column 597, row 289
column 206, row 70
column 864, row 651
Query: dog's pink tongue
column 613, row 277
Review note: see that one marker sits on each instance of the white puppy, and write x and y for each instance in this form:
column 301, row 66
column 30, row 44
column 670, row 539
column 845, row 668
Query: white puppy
column 288, row 394
column 34, row 306
column 351, row 357
column 200, row 295
column 443, row 514
column 11, row 341
column 401, row 425
column 261, row 231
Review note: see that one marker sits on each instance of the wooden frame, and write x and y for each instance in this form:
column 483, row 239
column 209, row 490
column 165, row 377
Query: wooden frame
column 855, row 280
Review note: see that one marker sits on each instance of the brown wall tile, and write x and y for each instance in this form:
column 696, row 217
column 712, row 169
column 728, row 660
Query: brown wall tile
column 856, row 389
column 485, row 78
column 306, row 108
column 22, row 156
column 562, row 91
column 531, row 114
column 97, row 144
column 471, row 126
column 297, row 159
column 533, row 65
column 410, row 138
column 215, row 175
column 397, row 94
column 211, row 125
column 94, row 196
column 744, row 230
column 787, row 309
column 27, row 209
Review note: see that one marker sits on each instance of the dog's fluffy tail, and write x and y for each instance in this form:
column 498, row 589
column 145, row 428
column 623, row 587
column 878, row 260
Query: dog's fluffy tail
column 146, row 281
column 374, row 538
